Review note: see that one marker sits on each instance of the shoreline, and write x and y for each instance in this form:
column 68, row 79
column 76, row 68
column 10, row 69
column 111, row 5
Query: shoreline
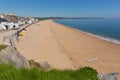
column 107, row 39
column 64, row 47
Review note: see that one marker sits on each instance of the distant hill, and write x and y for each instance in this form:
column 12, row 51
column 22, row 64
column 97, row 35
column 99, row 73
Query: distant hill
column 44, row 18
column 10, row 17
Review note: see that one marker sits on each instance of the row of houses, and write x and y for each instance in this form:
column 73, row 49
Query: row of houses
column 27, row 20
column 8, row 26
column 11, row 21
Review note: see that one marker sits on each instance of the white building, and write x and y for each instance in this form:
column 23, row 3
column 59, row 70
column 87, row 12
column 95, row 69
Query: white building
column 2, row 27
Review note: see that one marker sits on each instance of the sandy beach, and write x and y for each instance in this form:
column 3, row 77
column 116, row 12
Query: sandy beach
column 67, row 48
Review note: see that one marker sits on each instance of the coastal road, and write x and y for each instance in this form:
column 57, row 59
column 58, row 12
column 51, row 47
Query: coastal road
column 4, row 36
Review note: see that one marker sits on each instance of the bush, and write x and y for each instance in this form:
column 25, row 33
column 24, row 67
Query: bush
column 2, row 46
column 8, row 72
column 85, row 73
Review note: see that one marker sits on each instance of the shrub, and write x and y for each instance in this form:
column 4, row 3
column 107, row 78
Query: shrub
column 8, row 72
column 2, row 46
column 85, row 73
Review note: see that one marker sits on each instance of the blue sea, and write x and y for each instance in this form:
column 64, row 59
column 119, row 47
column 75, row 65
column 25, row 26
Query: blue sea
column 107, row 29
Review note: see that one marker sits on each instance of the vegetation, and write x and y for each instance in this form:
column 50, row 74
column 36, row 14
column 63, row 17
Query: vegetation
column 34, row 64
column 46, row 18
column 8, row 72
column 2, row 46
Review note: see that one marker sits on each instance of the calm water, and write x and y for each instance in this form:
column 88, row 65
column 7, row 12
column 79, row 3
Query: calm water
column 107, row 29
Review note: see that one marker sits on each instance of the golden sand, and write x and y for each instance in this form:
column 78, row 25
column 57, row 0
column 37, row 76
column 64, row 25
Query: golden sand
column 66, row 48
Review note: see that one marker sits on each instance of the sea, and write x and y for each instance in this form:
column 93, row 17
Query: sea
column 105, row 29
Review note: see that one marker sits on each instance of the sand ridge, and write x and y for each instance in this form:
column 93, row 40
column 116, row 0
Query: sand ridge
column 66, row 48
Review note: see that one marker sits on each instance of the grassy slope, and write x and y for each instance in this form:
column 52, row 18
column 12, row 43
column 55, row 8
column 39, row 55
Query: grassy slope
column 8, row 72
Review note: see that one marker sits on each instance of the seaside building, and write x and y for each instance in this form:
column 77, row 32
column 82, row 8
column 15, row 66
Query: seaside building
column 11, row 21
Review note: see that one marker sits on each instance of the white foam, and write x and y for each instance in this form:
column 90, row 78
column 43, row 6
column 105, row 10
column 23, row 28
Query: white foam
column 102, row 37
column 98, row 36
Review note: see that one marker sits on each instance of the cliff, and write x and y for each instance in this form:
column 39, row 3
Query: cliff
column 11, row 56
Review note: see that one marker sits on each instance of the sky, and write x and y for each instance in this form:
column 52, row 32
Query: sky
column 62, row 8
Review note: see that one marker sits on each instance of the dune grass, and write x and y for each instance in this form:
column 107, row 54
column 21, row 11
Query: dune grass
column 8, row 72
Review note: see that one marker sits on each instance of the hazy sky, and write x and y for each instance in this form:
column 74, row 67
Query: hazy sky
column 63, row 8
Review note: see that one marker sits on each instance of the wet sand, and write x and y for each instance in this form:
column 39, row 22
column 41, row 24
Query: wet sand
column 67, row 48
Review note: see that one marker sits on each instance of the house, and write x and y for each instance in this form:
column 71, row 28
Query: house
column 2, row 27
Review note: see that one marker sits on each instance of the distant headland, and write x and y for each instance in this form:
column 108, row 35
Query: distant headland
column 44, row 18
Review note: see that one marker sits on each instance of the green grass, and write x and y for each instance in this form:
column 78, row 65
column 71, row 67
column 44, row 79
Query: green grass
column 2, row 46
column 8, row 72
